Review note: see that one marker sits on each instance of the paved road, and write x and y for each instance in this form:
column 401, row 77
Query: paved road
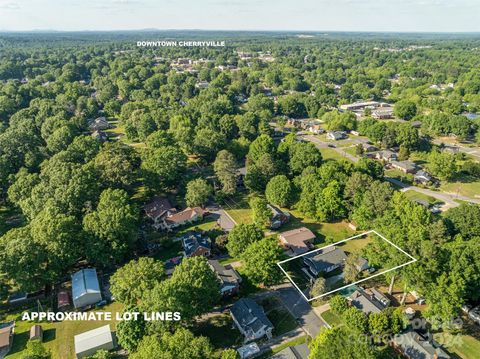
column 474, row 152
column 447, row 198
column 321, row 144
column 301, row 310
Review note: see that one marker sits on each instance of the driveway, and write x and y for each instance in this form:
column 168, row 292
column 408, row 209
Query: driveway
column 301, row 310
column 224, row 220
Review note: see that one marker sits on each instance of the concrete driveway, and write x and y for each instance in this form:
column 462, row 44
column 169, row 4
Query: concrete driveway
column 301, row 310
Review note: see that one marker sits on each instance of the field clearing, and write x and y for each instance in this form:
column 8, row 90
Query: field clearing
column 331, row 154
column 462, row 346
column 58, row 336
column 469, row 189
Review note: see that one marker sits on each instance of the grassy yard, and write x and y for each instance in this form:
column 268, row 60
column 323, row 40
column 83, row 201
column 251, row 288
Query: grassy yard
column 331, row 154
column 468, row 189
column 331, row 318
column 58, row 336
column 414, row 195
column 357, row 244
column 282, row 320
column 462, row 346
column 220, row 330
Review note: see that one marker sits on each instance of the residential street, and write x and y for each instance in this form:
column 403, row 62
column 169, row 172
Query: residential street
column 321, row 144
column 475, row 152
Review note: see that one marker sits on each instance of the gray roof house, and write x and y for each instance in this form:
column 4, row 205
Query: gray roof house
column 386, row 155
column 88, row 343
column 85, row 288
column 99, row 124
column 415, row 346
column 300, row 351
column 422, row 177
column 228, row 276
column 196, row 244
column 251, row 320
column 404, row 166
column 325, row 260
column 373, row 302
column 336, row 135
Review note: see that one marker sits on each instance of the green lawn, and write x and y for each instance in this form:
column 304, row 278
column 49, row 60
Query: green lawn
column 414, row 195
column 220, row 331
column 469, row 189
column 331, row 319
column 283, row 322
column 464, row 346
column 58, row 336
column 357, row 244
column 331, row 154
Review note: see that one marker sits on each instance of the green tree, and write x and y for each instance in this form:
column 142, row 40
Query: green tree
column 230, row 354
column 338, row 304
column 263, row 145
column 112, row 227
column 198, row 192
column 405, row 109
column 378, row 323
column 351, row 271
column 319, row 287
column 356, row 320
column 260, row 211
column 192, row 290
column 260, row 261
column 225, row 167
column 279, row 191
column 130, row 332
column 36, row 350
column 117, row 164
column 165, row 165
column 330, row 203
column 302, row 155
column 241, row 236
column 442, row 165
column 182, row 344
column 135, row 278
column 338, row 342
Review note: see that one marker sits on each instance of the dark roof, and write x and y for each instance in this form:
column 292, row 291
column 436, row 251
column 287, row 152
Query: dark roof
column 194, row 240
column 365, row 302
column 249, row 315
column 295, row 352
column 157, row 207
column 325, row 258
column 415, row 346
column 226, row 274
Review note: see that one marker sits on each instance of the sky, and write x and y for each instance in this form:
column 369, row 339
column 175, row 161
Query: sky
column 298, row 15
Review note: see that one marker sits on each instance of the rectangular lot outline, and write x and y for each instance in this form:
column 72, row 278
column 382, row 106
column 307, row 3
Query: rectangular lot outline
column 413, row 260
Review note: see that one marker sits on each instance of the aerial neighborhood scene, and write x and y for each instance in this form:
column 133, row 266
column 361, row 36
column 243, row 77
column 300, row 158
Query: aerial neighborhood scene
column 257, row 188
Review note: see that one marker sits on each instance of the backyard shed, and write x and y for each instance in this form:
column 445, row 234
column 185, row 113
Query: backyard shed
column 85, row 288
column 88, row 343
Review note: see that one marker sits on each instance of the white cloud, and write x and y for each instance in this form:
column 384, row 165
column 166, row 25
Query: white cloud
column 9, row 5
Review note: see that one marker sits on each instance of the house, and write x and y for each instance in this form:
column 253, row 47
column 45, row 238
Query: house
column 382, row 113
column 474, row 314
column 386, row 155
column 278, row 217
column 188, row 215
column 88, row 343
column 85, row 288
column 316, row 129
column 248, row 351
column 98, row 124
column 422, row 177
column 362, row 264
column 336, row 135
column 325, row 260
column 416, row 124
column 404, row 166
column 100, row 136
column 158, row 209
column 36, row 332
column 300, row 351
column 372, row 301
column 201, row 85
column 196, row 244
column 360, row 106
column 451, row 149
column 416, row 346
column 251, row 320
column 297, row 240
column 6, row 337
column 228, row 276
column 368, row 147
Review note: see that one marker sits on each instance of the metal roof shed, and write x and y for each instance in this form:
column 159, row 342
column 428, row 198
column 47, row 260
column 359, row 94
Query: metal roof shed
column 88, row 343
column 85, row 288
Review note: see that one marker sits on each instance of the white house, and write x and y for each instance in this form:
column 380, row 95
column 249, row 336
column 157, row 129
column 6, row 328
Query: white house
column 88, row 343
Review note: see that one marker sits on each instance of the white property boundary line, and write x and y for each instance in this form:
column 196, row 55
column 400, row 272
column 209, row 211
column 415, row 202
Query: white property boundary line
column 413, row 260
